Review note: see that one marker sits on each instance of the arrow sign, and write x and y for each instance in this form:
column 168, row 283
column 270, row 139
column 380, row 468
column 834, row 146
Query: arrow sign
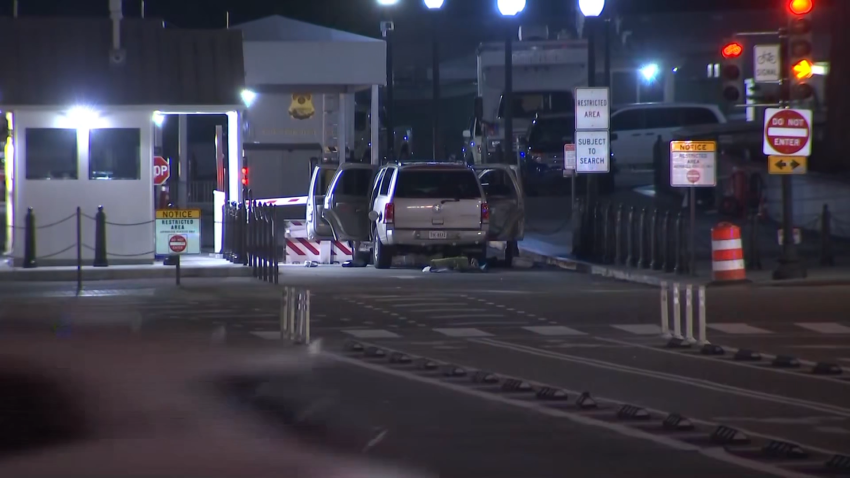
column 787, row 164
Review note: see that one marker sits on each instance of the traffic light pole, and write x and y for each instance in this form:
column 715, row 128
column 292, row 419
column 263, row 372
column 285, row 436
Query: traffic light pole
column 790, row 265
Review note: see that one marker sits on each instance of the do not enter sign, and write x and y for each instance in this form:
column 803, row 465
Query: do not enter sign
column 177, row 244
column 787, row 132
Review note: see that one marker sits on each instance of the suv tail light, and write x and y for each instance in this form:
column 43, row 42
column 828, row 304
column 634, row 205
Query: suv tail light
column 389, row 213
column 485, row 212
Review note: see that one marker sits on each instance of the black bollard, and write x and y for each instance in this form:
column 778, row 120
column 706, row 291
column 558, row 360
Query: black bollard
column 666, row 263
column 29, row 240
column 265, row 244
column 677, row 244
column 242, row 234
column 654, row 263
column 618, row 236
column 642, row 261
column 227, row 227
column 252, row 238
column 630, row 237
column 100, row 239
column 827, row 258
column 273, row 246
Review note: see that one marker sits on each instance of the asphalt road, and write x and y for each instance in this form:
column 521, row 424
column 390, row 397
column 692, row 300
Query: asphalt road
column 553, row 328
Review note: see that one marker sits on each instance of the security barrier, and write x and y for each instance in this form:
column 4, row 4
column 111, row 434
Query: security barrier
column 249, row 237
column 295, row 315
column 671, row 301
column 727, row 254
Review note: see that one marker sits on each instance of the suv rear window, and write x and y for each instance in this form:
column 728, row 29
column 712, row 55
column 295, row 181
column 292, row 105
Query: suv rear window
column 437, row 184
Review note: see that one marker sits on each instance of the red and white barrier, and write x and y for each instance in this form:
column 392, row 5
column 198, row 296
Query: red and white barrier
column 296, row 229
column 299, row 250
column 290, row 201
column 341, row 252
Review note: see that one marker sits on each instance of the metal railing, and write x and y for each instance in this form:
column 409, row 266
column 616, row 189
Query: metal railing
column 249, row 237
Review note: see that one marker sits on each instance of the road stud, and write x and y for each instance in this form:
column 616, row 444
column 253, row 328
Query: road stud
column 515, row 385
column 676, row 422
column 785, row 361
column 745, row 355
column 631, row 412
column 453, row 371
column 549, row 393
column 712, row 349
column 484, row 377
column 426, row 364
column 826, row 368
column 586, row 402
column 781, row 449
column 724, row 435
column 353, row 346
column 374, row 352
column 838, row 463
column 398, row 357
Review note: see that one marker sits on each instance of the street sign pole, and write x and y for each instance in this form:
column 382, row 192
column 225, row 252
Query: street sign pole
column 790, row 266
column 692, row 262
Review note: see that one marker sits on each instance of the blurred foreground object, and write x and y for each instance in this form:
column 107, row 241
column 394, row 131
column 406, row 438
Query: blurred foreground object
column 108, row 405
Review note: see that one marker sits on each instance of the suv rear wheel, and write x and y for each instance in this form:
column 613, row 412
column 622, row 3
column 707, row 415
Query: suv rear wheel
column 382, row 255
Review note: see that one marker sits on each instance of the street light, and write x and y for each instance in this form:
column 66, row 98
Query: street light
column 387, row 3
column 435, row 6
column 591, row 8
column 650, row 72
column 510, row 8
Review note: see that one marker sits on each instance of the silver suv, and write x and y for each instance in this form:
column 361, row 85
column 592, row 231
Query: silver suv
column 446, row 208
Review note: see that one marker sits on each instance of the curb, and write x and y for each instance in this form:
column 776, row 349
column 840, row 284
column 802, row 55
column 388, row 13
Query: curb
column 637, row 277
column 151, row 272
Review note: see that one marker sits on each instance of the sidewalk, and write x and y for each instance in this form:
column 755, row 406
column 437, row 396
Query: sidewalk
column 548, row 240
column 204, row 265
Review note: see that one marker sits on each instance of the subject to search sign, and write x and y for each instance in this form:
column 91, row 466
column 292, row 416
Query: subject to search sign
column 693, row 164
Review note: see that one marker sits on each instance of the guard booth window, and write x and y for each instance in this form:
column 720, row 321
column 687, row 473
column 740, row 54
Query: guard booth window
column 115, row 153
column 51, row 153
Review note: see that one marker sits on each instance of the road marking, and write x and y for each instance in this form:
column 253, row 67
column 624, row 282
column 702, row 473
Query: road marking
column 821, row 347
column 428, row 304
column 639, row 329
column 372, row 334
column 499, row 323
column 699, row 383
column 461, row 332
column 833, row 430
column 552, row 330
column 467, row 316
column 454, row 309
column 716, row 453
column 825, row 327
column 266, row 335
column 738, row 329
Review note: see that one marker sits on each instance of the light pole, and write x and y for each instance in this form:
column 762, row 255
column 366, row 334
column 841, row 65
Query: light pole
column 435, row 6
column 591, row 9
column 509, row 9
column 386, row 31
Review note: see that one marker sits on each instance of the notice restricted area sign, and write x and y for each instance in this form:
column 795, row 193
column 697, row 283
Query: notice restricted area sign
column 178, row 231
column 592, row 152
column 693, row 164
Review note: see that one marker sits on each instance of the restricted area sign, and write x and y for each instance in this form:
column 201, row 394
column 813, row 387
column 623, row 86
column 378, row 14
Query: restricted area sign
column 161, row 170
column 592, row 152
column 787, row 132
column 693, row 164
column 178, row 231
column 593, row 109
column 569, row 159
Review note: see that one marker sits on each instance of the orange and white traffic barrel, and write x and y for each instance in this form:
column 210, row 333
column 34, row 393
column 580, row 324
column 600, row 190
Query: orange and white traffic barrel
column 727, row 253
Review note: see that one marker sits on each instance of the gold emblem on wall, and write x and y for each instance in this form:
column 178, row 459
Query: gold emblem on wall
column 301, row 107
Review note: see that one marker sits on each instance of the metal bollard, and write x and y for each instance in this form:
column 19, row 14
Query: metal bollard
column 642, row 261
column 702, row 338
column 100, row 239
column 618, row 239
column 689, row 314
column 283, row 314
column 264, row 263
column 29, row 240
column 654, row 263
column 606, row 234
column 665, row 312
column 666, row 265
column 827, row 257
column 677, row 244
column 242, row 234
column 252, row 235
column 630, row 229
column 677, row 312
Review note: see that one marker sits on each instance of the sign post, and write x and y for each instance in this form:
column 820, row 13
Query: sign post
column 593, row 154
column 787, row 138
column 693, row 164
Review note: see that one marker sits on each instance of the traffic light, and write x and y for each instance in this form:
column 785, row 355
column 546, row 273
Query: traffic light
column 245, row 176
column 731, row 71
column 800, row 49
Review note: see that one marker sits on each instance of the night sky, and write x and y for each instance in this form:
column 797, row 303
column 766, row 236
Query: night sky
column 360, row 16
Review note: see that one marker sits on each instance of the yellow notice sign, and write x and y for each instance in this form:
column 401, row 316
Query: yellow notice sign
column 693, row 146
column 787, row 164
column 178, row 213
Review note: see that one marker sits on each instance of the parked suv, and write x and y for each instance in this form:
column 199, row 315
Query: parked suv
column 421, row 207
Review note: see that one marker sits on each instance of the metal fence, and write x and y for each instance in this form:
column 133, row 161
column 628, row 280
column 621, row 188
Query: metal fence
column 249, row 237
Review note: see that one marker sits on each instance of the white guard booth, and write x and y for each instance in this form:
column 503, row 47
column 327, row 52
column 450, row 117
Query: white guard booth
column 300, row 86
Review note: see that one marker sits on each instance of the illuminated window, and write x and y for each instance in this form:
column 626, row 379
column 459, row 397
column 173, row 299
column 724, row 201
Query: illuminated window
column 51, row 153
column 115, row 153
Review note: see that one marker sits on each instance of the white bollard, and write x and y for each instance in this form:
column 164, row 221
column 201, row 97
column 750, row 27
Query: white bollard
column 284, row 314
column 665, row 312
column 307, row 319
column 292, row 305
column 689, row 314
column 677, row 313
column 703, row 339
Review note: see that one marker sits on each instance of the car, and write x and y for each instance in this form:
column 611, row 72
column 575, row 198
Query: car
column 542, row 155
column 419, row 207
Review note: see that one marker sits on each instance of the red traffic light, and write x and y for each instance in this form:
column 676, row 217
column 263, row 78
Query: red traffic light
column 800, row 7
column 244, row 176
column 732, row 50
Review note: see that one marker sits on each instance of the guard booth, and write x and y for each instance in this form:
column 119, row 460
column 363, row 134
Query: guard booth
column 80, row 97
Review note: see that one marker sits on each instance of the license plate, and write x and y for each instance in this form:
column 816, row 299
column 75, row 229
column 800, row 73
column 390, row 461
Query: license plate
column 437, row 235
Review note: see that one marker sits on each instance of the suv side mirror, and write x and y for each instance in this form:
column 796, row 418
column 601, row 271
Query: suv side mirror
column 373, row 216
column 467, row 134
column 479, row 108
